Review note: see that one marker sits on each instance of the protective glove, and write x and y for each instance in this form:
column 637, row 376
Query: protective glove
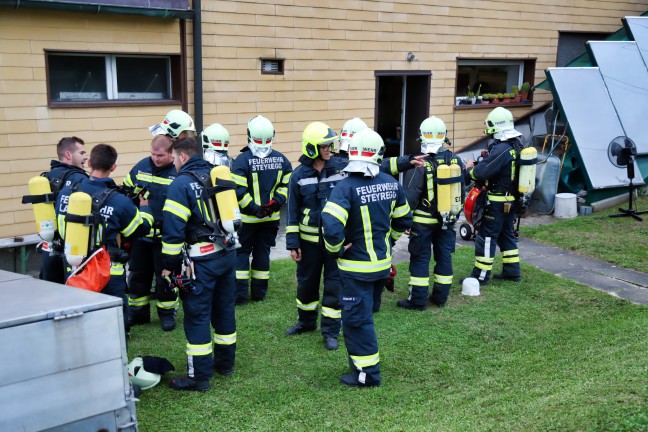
column 389, row 285
column 273, row 206
column 261, row 212
column 179, row 282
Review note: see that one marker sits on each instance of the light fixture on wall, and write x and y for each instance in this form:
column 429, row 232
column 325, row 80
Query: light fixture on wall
column 411, row 57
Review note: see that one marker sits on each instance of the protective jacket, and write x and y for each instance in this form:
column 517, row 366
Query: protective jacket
column 309, row 190
column 145, row 175
column 259, row 181
column 497, row 170
column 65, row 174
column 120, row 215
column 371, row 214
column 185, row 215
column 422, row 187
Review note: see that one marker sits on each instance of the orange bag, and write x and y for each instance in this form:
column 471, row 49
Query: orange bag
column 93, row 274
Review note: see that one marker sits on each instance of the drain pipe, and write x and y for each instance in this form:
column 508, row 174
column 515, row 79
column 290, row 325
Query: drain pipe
column 197, row 64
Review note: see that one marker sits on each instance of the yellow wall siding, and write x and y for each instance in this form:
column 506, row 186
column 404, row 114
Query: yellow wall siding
column 331, row 50
column 29, row 129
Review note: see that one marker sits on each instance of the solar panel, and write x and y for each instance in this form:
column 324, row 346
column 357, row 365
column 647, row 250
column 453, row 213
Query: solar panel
column 593, row 122
column 638, row 29
column 626, row 78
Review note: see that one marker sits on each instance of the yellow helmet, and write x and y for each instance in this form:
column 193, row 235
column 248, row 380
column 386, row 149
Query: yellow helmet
column 317, row 134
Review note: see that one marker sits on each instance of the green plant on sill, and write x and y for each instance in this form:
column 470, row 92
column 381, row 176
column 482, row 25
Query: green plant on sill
column 515, row 90
column 525, row 87
column 471, row 94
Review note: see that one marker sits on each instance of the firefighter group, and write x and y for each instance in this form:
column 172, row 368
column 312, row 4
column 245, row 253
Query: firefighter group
column 192, row 226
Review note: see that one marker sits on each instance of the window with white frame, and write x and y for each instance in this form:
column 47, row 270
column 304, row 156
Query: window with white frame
column 483, row 76
column 94, row 77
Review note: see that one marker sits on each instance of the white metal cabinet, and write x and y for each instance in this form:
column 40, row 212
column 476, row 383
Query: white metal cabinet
column 63, row 359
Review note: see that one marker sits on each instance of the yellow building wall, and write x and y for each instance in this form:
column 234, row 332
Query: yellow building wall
column 331, row 50
column 29, row 129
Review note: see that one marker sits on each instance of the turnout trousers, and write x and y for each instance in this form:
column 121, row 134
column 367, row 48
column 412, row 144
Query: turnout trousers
column 497, row 229
column 210, row 301
column 52, row 267
column 146, row 264
column 426, row 242
column 356, row 298
column 256, row 239
column 309, row 273
column 116, row 287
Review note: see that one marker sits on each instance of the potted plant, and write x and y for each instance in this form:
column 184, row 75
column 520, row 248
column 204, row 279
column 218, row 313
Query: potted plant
column 500, row 97
column 507, row 98
column 515, row 94
column 486, row 98
column 524, row 91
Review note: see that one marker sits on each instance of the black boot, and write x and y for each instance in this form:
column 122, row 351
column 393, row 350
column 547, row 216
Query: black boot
column 331, row 343
column 189, row 384
column 299, row 328
column 138, row 315
column 167, row 319
column 351, row 380
column 406, row 304
column 512, row 278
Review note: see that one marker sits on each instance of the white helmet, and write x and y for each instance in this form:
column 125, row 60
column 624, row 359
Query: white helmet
column 137, row 374
column 367, row 146
column 470, row 287
column 215, row 142
column 176, row 122
column 499, row 123
column 260, row 136
column 350, row 128
column 432, row 133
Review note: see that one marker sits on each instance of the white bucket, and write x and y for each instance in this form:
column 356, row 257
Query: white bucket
column 565, row 206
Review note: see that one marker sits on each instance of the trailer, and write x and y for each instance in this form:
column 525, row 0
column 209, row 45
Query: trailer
column 63, row 360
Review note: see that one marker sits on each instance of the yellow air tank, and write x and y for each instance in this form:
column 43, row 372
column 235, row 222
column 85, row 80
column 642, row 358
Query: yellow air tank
column 457, row 205
column 43, row 212
column 226, row 201
column 526, row 182
column 444, row 191
column 76, row 233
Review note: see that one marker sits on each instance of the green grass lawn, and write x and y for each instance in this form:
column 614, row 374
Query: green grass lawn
column 622, row 241
column 545, row 354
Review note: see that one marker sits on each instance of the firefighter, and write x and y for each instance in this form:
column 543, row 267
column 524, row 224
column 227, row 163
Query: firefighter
column 309, row 188
column 350, row 128
column 67, row 170
column 120, row 218
column 432, row 233
column 215, row 143
column 151, row 176
column 207, row 287
column 363, row 211
column 261, row 174
column 497, row 172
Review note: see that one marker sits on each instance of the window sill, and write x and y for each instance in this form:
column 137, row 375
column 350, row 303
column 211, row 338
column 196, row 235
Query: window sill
column 104, row 103
column 491, row 105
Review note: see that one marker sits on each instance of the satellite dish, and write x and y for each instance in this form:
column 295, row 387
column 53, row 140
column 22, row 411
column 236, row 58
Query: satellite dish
column 621, row 151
